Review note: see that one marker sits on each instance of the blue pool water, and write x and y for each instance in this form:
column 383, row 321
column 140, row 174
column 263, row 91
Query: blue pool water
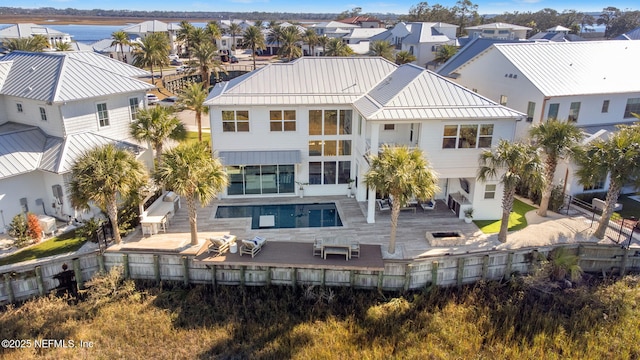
column 285, row 215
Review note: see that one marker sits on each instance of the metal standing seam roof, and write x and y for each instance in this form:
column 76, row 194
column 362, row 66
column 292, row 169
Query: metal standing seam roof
column 414, row 93
column 60, row 77
column 308, row 80
column 424, row 32
column 268, row 157
column 364, row 33
column 25, row 148
column 468, row 52
column 630, row 35
column 25, row 30
column 498, row 25
column 150, row 26
column 577, row 68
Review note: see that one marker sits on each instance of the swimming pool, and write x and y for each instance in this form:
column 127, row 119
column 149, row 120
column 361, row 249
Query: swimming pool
column 284, row 215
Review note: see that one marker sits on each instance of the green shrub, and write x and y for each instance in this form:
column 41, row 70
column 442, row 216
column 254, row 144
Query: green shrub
column 90, row 229
column 19, row 229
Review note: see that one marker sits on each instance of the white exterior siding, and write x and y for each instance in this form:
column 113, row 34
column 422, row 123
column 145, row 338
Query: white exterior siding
column 30, row 114
column 30, row 186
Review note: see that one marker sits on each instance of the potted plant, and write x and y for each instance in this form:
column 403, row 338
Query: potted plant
column 468, row 215
column 350, row 187
column 301, row 186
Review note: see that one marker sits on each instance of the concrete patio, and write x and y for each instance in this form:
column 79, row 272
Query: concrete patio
column 410, row 238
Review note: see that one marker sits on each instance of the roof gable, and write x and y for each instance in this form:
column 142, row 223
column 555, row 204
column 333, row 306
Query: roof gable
column 69, row 76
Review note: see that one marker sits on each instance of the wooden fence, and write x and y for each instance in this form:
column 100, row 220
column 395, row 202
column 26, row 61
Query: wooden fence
column 21, row 282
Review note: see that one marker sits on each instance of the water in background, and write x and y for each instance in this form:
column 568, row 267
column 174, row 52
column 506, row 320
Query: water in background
column 88, row 33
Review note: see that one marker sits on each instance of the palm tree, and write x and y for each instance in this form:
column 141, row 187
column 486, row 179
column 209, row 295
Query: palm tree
column 234, row 30
column 184, row 34
column 290, row 39
column 213, row 30
column 156, row 125
column 36, row 43
column 190, row 171
column 445, row 53
column 193, row 97
column 405, row 57
column 198, row 36
column 556, row 139
column 381, row 48
column 618, row 156
column 63, row 46
column 275, row 35
column 254, row 39
column 311, row 38
column 120, row 38
column 335, row 47
column 402, row 173
column 323, row 40
column 206, row 54
column 517, row 162
column 152, row 50
column 102, row 176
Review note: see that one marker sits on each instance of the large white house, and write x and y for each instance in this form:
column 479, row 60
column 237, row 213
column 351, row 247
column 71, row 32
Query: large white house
column 595, row 84
column 423, row 39
column 54, row 107
column 27, row 30
column 314, row 121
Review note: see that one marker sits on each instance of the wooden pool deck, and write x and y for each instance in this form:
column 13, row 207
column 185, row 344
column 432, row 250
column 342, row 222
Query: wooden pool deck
column 410, row 237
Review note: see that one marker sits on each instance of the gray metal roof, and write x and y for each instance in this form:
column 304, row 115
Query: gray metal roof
column 466, row 53
column 630, row 35
column 275, row 157
column 425, row 32
column 25, row 148
column 25, row 30
column 498, row 25
column 577, row 68
column 412, row 93
column 150, row 26
column 67, row 76
column 308, row 80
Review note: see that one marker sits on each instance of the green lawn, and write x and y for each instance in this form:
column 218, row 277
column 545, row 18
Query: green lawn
column 192, row 136
column 517, row 220
column 64, row 243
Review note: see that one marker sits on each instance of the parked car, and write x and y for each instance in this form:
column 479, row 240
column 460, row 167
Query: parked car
column 173, row 57
column 184, row 69
column 169, row 101
column 233, row 59
column 152, row 99
column 176, row 62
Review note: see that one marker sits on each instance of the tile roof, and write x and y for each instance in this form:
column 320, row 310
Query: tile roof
column 570, row 68
column 412, row 92
column 67, row 76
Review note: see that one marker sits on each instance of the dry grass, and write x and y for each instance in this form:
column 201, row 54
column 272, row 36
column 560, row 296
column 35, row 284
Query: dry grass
column 488, row 320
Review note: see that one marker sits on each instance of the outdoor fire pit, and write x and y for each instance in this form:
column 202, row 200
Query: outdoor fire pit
column 445, row 238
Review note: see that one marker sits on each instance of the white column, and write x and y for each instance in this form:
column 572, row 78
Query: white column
column 371, row 204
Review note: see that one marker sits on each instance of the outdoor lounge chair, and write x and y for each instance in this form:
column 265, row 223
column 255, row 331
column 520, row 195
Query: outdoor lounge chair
column 429, row 205
column 383, row 204
column 252, row 247
column 220, row 244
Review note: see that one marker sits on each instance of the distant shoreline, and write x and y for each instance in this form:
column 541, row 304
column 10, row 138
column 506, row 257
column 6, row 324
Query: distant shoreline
column 85, row 20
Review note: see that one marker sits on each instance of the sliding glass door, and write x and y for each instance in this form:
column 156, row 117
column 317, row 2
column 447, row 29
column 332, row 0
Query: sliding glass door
column 261, row 179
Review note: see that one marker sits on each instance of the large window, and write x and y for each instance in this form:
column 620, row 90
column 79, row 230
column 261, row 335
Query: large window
column 531, row 110
column 329, row 172
column 134, row 106
column 553, row 111
column 597, row 185
column 282, row 120
column 235, row 121
column 261, row 179
column 467, row 136
column 633, row 106
column 574, row 111
column 330, row 122
column 103, row 114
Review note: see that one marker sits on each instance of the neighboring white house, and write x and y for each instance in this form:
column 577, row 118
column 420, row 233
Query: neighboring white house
column 54, row 107
column 593, row 83
column 359, row 39
column 314, row 121
column 423, row 39
column 333, row 29
column 557, row 33
column 125, row 53
column 28, row 30
column 141, row 30
column 501, row 31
